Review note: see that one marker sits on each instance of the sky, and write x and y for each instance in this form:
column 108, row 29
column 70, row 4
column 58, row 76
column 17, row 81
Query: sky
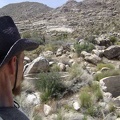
column 50, row 3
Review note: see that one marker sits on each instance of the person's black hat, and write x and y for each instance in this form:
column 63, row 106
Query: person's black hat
column 10, row 40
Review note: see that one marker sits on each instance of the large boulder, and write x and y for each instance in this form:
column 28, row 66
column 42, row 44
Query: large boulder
column 94, row 59
column 40, row 64
column 112, row 52
column 112, row 85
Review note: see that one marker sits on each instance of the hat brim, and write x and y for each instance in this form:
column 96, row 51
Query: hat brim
column 18, row 46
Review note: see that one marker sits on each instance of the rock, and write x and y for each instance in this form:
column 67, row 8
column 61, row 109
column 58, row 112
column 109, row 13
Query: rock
column 47, row 109
column 85, row 54
column 51, row 63
column 76, row 105
column 103, row 41
column 107, row 97
column 59, row 52
column 112, row 52
column 27, row 59
column 113, row 85
column 93, row 59
column 33, row 99
column 98, row 52
column 62, row 66
column 116, row 101
column 40, row 64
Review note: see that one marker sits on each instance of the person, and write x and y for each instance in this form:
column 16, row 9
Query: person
column 12, row 48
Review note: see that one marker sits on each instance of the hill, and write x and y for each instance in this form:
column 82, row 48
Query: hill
column 24, row 10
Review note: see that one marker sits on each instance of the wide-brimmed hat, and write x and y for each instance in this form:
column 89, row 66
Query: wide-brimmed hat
column 10, row 40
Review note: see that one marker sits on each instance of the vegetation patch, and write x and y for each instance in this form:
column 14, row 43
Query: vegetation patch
column 107, row 73
column 86, row 46
column 101, row 65
column 50, row 85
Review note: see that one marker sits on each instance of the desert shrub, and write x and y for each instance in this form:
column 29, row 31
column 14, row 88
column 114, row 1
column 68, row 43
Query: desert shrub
column 91, row 111
column 85, row 99
column 55, row 68
column 75, row 71
column 113, row 39
column 117, row 43
column 101, row 65
column 89, row 96
column 104, row 74
column 60, row 116
column 97, row 91
column 50, row 85
column 86, row 46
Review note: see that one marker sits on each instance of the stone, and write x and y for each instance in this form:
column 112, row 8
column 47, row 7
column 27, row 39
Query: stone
column 76, row 105
column 47, row 109
column 59, row 52
column 112, row 52
column 62, row 66
column 40, row 64
column 107, row 97
column 94, row 59
column 113, row 85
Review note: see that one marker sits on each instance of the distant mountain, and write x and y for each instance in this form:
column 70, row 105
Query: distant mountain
column 24, row 10
column 89, row 17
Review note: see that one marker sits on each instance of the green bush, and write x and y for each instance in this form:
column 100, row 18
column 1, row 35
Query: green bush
column 85, row 99
column 97, row 92
column 104, row 74
column 87, row 95
column 101, row 65
column 86, row 46
column 113, row 39
column 55, row 68
column 50, row 85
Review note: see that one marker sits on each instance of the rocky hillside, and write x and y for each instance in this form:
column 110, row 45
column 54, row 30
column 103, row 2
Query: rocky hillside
column 80, row 19
column 24, row 10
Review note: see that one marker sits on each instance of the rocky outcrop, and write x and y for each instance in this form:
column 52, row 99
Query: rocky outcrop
column 112, row 52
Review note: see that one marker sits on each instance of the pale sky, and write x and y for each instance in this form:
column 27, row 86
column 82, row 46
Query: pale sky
column 50, row 3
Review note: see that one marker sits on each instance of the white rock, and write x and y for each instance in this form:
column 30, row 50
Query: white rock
column 76, row 105
column 47, row 109
column 33, row 99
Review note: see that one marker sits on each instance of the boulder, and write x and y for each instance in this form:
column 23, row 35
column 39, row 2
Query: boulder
column 59, row 52
column 112, row 52
column 62, row 66
column 112, row 85
column 93, row 59
column 40, row 64
column 84, row 54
